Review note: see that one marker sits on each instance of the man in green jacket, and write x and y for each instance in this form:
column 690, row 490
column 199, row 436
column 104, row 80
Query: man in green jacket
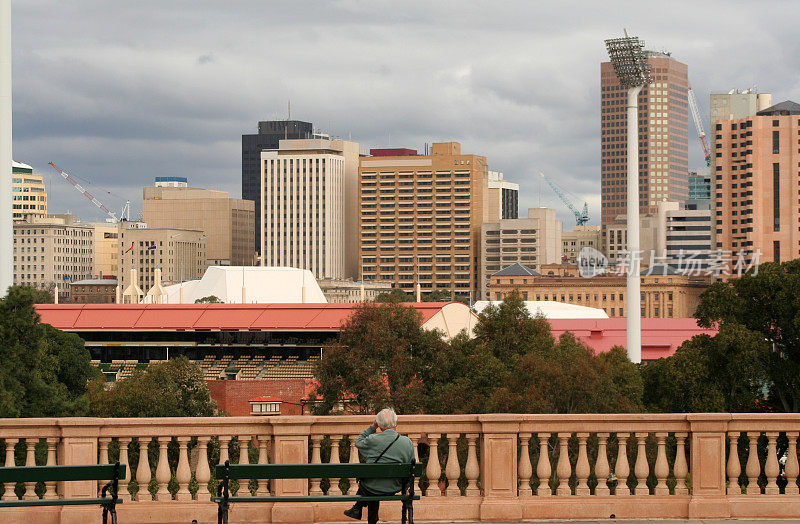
column 386, row 446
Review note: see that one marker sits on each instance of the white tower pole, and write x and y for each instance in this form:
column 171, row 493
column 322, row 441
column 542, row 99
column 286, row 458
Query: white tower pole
column 6, row 159
column 634, row 331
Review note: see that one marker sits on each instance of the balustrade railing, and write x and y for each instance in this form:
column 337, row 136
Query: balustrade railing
column 498, row 466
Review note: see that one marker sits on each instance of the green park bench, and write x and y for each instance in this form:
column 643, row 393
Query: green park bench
column 111, row 472
column 227, row 472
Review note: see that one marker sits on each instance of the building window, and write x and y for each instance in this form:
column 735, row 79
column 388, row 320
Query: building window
column 776, row 251
column 776, row 196
column 776, row 148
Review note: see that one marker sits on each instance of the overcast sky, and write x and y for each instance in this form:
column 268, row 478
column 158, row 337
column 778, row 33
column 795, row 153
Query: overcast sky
column 121, row 92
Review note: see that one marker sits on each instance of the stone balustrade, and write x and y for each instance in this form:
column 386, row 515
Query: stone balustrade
column 497, row 467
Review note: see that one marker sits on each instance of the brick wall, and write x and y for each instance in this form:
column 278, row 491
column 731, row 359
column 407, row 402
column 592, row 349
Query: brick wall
column 233, row 396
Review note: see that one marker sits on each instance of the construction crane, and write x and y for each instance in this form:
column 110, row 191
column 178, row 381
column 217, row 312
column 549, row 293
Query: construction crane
column 581, row 217
column 126, row 210
column 698, row 124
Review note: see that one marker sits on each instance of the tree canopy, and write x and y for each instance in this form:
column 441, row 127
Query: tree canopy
column 44, row 371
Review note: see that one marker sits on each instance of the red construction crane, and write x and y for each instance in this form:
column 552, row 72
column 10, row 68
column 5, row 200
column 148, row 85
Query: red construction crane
column 85, row 193
column 698, row 124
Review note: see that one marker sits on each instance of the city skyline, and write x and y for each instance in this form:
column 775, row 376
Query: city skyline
column 161, row 94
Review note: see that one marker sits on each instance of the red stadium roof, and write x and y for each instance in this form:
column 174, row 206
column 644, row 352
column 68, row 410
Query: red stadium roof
column 215, row 317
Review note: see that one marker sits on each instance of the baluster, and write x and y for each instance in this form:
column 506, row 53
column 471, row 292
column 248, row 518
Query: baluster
column 582, row 470
column 335, row 488
column 771, row 468
column 30, row 460
column 681, row 468
column 316, row 441
column 143, row 471
column 224, row 448
column 244, row 458
column 123, row 493
column 661, row 466
column 792, row 470
column 453, row 469
column 524, row 468
column 471, row 470
column 203, row 472
column 563, row 467
column 50, row 487
column 9, row 494
column 183, row 473
column 753, row 469
column 622, row 469
column 641, row 468
column 415, row 442
column 103, row 443
column 543, row 469
column 733, row 468
column 163, row 473
column 434, row 469
column 352, row 485
column 263, row 484
column 601, row 466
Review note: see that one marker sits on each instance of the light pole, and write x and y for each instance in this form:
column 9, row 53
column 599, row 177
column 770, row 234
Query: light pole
column 630, row 64
column 6, row 204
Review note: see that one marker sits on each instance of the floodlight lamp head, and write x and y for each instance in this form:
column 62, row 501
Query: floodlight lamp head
column 629, row 60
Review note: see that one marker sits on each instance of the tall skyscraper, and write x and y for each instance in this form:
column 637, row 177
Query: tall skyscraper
column 309, row 191
column 269, row 134
column 28, row 192
column 421, row 218
column 663, row 139
column 756, row 176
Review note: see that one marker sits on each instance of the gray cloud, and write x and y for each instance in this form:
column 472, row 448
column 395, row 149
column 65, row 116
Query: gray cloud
column 121, row 92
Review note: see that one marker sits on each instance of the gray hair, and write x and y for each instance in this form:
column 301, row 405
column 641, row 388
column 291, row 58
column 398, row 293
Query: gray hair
column 386, row 418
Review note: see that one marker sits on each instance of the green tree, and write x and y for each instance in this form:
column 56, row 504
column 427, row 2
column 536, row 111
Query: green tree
column 171, row 389
column 394, row 296
column 765, row 306
column 437, row 295
column 211, row 299
column 45, row 371
column 509, row 331
column 383, row 359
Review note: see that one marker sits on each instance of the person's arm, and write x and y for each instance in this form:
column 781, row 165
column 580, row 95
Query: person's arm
column 362, row 442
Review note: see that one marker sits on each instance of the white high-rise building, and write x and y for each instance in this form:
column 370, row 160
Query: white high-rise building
column 304, row 185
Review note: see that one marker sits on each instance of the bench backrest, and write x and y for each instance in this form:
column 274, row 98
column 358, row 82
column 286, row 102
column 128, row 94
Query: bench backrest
column 60, row 473
column 312, row 471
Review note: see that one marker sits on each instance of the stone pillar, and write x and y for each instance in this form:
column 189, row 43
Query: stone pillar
column 79, row 445
column 290, row 446
column 499, row 477
column 708, row 469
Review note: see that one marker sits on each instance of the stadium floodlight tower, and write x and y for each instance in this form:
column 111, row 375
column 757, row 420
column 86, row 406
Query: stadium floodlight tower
column 6, row 204
column 630, row 64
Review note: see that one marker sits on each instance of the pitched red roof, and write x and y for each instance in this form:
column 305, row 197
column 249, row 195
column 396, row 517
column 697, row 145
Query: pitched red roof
column 149, row 317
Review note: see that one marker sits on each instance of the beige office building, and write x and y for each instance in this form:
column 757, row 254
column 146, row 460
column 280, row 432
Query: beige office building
column 52, row 250
column 180, row 253
column 309, row 190
column 28, row 192
column 106, row 251
column 228, row 223
column 575, row 240
column 421, row 218
column 531, row 241
column 343, row 291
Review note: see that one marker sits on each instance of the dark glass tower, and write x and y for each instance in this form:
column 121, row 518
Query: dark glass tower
column 269, row 133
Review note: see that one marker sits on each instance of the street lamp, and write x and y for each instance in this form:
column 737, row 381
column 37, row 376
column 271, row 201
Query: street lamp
column 630, row 64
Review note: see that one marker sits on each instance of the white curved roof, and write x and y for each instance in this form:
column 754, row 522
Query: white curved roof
column 551, row 309
column 273, row 285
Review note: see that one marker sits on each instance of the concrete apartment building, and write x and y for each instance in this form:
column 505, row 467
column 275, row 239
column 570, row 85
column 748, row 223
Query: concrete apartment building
column 269, row 134
column 737, row 104
column 663, row 139
column 421, row 218
column 53, row 250
column 346, row 291
column 179, row 253
column 106, row 250
column 506, row 194
column 27, row 192
column 310, row 211
column 756, row 178
column 666, row 293
column 228, row 223
column 531, row 241
column 581, row 236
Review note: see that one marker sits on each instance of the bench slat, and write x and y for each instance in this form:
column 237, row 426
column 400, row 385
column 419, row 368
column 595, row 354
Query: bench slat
column 335, row 498
column 59, row 473
column 310, row 471
column 56, row 502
